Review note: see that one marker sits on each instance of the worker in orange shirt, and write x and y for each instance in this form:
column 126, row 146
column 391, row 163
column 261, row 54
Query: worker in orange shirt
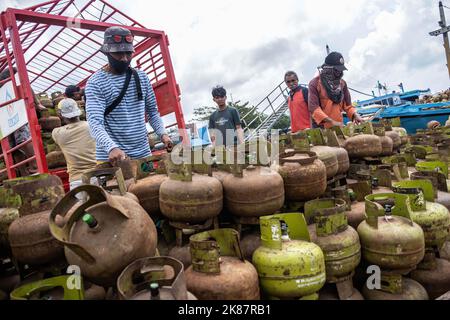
column 298, row 103
column 329, row 95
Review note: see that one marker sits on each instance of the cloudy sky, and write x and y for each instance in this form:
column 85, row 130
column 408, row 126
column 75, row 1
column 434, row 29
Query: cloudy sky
column 247, row 45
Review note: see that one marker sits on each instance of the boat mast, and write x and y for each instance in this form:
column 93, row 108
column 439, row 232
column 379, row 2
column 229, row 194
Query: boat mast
column 444, row 31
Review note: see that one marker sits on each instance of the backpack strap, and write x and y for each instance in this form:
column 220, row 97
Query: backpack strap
column 119, row 99
column 305, row 92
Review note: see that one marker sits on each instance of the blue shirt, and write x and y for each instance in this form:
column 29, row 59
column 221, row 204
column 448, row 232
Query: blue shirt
column 125, row 127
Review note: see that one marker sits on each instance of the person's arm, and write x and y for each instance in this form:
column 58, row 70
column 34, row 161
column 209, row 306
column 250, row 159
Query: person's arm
column 239, row 130
column 154, row 117
column 352, row 114
column 37, row 104
column 95, row 112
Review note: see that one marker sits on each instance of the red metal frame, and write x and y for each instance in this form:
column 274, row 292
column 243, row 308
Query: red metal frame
column 71, row 55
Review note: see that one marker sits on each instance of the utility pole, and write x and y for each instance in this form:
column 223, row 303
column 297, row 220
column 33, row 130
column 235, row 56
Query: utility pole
column 444, row 31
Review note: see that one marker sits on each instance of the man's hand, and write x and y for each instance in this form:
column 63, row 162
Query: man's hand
column 336, row 124
column 357, row 119
column 167, row 142
column 115, row 156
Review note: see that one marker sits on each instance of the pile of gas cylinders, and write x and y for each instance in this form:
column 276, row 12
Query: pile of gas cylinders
column 49, row 120
column 353, row 213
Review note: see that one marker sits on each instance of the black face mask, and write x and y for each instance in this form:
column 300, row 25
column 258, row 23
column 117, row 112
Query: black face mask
column 118, row 66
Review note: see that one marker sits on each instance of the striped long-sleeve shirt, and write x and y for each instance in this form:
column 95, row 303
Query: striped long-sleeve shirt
column 125, row 127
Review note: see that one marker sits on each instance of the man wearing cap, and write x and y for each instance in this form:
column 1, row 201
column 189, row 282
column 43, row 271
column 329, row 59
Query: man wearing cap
column 118, row 99
column 329, row 95
column 75, row 142
column 72, row 92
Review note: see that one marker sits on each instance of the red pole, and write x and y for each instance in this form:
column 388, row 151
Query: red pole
column 26, row 93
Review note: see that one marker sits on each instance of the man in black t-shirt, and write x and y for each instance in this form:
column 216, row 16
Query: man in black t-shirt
column 225, row 124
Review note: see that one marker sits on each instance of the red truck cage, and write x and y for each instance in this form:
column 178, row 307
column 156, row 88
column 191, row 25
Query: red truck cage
column 56, row 44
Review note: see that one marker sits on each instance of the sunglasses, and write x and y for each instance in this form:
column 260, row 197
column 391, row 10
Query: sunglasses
column 119, row 39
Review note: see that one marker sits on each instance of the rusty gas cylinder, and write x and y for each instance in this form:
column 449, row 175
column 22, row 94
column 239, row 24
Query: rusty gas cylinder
column 389, row 237
column 147, row 191
column 435, row 277
column 329, row 293
column 250, row 242
column 182, row 254
column 161, row 278
column 402, row 289
column 364, row 145
column 339, row 242
column 7, row 217
column 56, row 160
column 48, row 123
column 37, row 193
column 104, row 234
column 190, row 198
column 219, row 270
column 403, row 135
column 31, row 240
column 329, row 158
column 395, row 136
column 111, row 180
column 387, row 146
column 304, row 175
column 253, row 192
column 45, row 100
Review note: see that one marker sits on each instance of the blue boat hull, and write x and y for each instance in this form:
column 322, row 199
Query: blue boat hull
column 413, row 117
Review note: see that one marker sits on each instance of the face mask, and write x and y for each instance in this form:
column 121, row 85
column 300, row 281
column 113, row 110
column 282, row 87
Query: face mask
column 119, row 66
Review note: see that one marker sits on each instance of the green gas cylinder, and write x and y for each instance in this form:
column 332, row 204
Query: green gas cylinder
column 434, row 218
column 288, row 264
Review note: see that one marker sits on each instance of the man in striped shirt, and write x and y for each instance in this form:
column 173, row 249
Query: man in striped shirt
column 118, row 125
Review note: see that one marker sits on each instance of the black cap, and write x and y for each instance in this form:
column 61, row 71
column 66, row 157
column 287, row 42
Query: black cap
column 336, row 60
column 109, row 45
column 71, row 90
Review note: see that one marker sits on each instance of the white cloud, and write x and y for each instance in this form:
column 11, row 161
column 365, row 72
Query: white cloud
column 248, row 45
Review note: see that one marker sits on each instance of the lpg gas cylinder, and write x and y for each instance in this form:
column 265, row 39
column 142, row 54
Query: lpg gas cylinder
column 48, row 123
column 330, row 231
column 57, row 97
column 7, row 217
column 253, row 192
column 111, row 180
column 45, row 100
column 304, row 175
column 434, row 275
column 400, row 288
column 31, row 240
column 56, row 160
column 182, row 254
column 159, row 278
column 387, row 145
column 324, row 146
column 434, row 218
column 330, row 292
column 364, row 145
column 395, row 136
column 329, row 158
column 403, row 135
column 37, row 193
column 250, row 242
column 104, row 234
column 289, row 265
column 190, row 198
column 147, row 191
column 219, row 270
column 389, row 237
column 58, row 288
